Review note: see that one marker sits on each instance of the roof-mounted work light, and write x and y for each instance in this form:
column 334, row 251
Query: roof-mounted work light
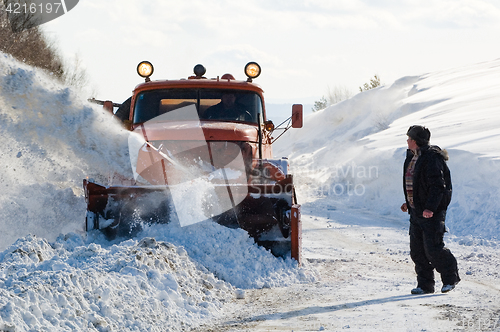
column 145, row 69
column 252, row 70
column 199, row 71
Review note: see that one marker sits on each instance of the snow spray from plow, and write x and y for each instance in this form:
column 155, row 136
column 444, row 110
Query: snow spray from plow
column 196, row 182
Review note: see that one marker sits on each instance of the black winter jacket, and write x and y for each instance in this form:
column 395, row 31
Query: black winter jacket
column 431, row 180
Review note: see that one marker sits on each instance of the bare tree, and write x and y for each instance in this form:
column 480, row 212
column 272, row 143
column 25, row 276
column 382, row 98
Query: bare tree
column 75, row 75
column 338, row 94
column 28, row 44
column 334, row 96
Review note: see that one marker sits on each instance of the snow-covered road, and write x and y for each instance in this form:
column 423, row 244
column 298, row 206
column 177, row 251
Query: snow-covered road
column 366, row 277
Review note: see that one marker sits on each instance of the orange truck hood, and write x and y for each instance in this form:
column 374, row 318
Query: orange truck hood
column 190, row 130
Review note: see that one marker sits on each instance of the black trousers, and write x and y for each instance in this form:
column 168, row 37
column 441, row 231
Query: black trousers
column 428, row 252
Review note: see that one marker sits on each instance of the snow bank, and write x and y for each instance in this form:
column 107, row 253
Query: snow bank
column 352, row 153
column 232, row 255
column 133, row 286
column 51, row 140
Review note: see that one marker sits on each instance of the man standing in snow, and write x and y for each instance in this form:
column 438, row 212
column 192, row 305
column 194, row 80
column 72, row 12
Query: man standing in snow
column 427, row 188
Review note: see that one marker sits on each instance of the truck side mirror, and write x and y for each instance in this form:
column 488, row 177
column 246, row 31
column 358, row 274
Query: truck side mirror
column 297, row 116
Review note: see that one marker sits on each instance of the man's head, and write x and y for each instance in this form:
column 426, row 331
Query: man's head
column 419, row 134
column 228, row 100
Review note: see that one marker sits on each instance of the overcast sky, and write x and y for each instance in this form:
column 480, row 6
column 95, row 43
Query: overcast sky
column 304, row 47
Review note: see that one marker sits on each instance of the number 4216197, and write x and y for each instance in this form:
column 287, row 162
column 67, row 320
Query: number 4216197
column 33, row 8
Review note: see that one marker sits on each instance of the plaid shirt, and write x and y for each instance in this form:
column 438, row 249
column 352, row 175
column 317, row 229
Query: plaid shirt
column 409, row 178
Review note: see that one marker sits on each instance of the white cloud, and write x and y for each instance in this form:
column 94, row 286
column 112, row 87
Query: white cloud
column 450, row 14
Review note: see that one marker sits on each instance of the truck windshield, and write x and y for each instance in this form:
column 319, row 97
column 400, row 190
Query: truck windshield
column 211, row 104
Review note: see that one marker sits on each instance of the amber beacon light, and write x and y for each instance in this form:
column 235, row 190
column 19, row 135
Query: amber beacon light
column 252, row 70
column 145, row 69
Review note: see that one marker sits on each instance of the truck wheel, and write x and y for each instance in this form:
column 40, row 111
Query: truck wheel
column 283, row 212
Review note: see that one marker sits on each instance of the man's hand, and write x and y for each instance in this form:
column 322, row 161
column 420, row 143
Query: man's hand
column 404, row 207
column 427, row 214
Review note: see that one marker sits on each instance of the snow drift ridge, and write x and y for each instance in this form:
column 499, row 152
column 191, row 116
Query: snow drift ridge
column 352, row 152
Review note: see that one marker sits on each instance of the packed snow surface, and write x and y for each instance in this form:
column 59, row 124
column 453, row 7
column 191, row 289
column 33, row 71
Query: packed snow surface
column 347, row 162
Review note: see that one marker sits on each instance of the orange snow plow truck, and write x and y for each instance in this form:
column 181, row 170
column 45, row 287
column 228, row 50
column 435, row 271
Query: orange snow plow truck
column 200, row 149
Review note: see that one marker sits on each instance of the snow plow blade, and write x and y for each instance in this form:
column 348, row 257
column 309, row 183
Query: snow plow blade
column 268, row 213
